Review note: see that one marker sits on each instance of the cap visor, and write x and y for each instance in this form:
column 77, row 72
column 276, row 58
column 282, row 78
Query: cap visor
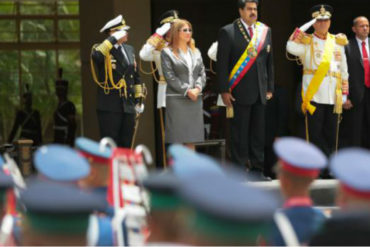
column 323, row 18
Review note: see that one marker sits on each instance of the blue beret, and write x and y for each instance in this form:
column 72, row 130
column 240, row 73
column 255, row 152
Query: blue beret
column 352, row 168
column 61, row 163
column 224, row 197
column 186, row 162
column 92, row 148
column 52, row 197
column 300, row 154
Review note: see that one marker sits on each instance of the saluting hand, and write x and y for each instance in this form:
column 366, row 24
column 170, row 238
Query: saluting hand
column 227, row 98
column 120, row 36
column 161, row 31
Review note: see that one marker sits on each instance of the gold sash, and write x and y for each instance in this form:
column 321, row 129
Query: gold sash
column 319, row 76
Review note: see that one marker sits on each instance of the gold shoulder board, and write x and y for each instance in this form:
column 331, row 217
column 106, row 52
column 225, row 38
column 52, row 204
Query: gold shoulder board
column 104, row 47
column 341, row 39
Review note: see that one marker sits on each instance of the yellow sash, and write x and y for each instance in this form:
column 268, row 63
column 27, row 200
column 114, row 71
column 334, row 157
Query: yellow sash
column 250, row 49
column 319, row 76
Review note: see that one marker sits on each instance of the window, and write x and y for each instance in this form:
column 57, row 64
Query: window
column 36, row 38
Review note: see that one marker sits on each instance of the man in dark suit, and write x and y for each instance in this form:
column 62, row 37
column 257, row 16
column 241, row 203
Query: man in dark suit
column 246, row 81
column 120, row 90
column 356, row 117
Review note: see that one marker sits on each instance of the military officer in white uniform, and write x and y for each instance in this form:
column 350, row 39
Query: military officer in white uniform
column 325, row 77
column 151, row 52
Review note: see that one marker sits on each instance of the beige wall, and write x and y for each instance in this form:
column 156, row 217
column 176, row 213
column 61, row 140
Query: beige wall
column 94, row 14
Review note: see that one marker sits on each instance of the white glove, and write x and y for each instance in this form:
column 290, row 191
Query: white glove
column 212, row 51
column 161, row 31
column 119, row 34
column 139, row 108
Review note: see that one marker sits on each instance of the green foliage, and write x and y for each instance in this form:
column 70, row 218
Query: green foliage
column 7, row 30
column 38, row 68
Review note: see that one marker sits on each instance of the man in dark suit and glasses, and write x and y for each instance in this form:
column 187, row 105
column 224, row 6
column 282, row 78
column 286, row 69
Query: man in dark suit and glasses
column 356, row 117
column 246, row 81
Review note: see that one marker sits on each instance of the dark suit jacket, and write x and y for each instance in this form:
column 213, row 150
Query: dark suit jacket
column 356, row 72
column 113, row 102
column 259, row 79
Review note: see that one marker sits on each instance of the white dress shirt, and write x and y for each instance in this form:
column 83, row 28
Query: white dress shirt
column 253, row 26
column 359, row 41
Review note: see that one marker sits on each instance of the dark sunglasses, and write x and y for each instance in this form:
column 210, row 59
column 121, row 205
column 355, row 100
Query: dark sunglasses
column 187, row 30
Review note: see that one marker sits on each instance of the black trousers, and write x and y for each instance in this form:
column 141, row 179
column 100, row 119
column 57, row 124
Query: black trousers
column 118, row 126
column 366, row 120
column 247, row 132
column 355, row 126
column 351, row 126
column 322, row 127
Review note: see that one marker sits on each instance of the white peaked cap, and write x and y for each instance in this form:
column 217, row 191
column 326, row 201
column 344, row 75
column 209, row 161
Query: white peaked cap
column 116, row 22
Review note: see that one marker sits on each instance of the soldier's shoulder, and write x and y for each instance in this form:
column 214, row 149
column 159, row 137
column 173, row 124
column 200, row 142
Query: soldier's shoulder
column 227, row 27
column 341, row 39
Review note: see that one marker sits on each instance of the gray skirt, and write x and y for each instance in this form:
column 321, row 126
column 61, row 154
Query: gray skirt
column 184, row 120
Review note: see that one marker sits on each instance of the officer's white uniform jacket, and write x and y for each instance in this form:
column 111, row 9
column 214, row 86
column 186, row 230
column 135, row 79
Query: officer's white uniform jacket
column 338, row 64
column 150, row 54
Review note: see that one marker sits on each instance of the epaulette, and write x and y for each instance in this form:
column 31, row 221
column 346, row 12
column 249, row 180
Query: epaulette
column 104, row 47
column 157, row 41
column 306, row 39
column 341, row 39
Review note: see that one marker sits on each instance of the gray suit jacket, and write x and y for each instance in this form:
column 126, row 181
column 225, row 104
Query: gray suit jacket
column 176, row 72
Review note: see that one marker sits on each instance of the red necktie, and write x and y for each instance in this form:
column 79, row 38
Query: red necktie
column 250, row 29
column 365, row 57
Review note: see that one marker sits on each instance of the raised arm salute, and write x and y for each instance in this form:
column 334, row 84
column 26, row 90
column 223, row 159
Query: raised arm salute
column 325, row 78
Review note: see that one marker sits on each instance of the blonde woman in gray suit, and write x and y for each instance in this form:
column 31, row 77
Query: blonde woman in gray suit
column 184, row 72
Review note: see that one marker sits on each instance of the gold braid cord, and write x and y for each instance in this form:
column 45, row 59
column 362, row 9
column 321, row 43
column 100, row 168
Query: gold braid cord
column 294, row 59
column 108, row 76
column 151, row 72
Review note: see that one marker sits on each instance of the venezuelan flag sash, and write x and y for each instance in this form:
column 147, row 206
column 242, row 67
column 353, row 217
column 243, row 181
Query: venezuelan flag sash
column 249, row 56
column 319, row 76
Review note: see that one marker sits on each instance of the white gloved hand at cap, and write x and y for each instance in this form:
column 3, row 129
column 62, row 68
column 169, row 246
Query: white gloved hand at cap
column 119, row 34
column 161, row 31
